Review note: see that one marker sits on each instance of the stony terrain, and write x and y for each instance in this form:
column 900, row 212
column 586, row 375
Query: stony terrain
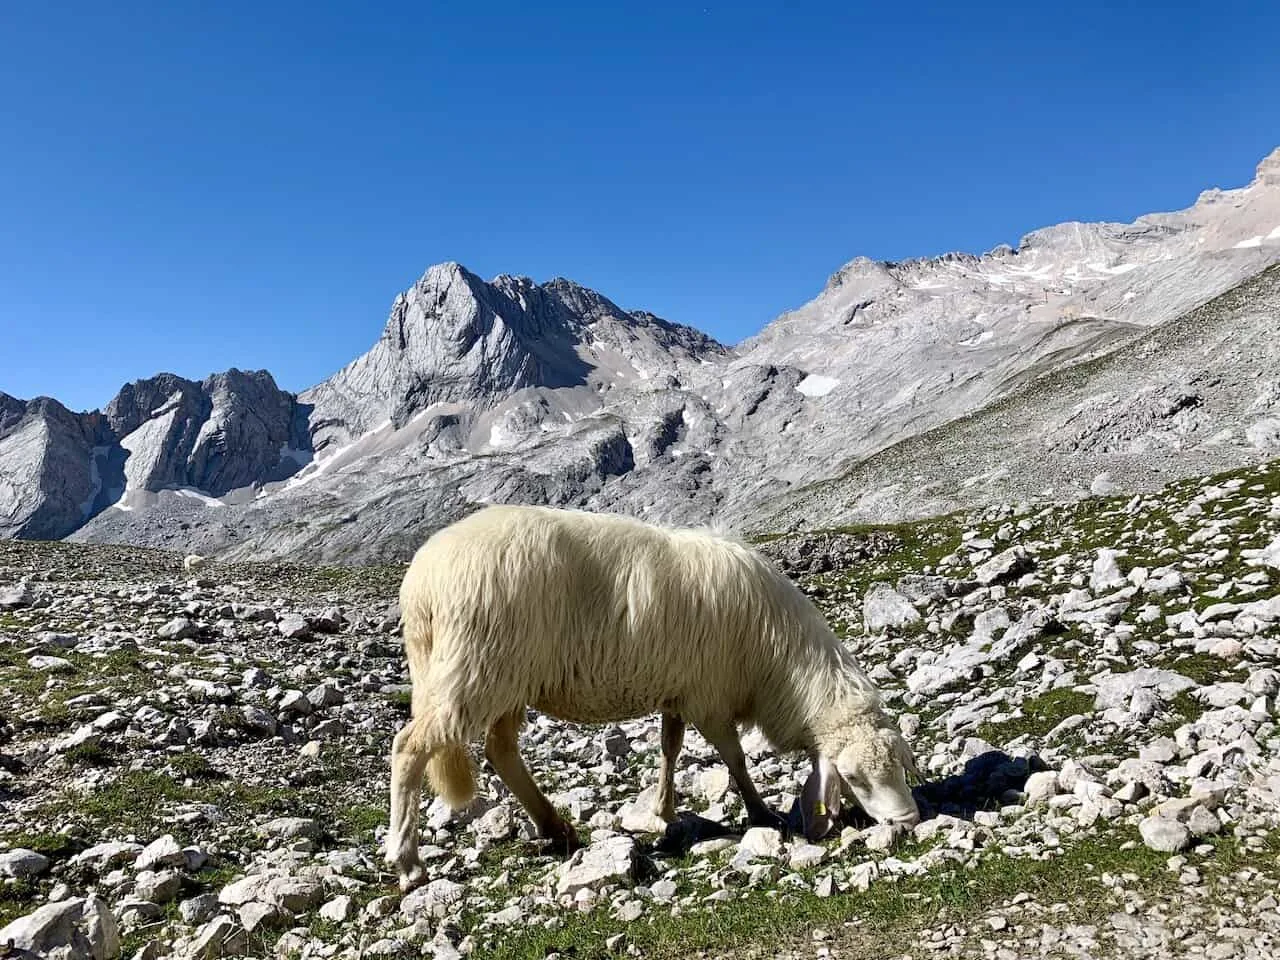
column 507, row 390
column 194, row 765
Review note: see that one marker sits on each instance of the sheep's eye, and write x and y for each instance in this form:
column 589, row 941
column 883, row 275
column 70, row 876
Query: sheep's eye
column 855, row 780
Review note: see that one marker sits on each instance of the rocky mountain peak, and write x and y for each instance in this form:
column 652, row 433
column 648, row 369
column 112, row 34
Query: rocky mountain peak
column 860, row 270
column 142, row 400
column 1268, row 172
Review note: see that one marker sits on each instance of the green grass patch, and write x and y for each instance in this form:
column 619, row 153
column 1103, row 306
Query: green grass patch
column 137, row 798
column 93, row 754
column 1039, row 715
column 361, row 820
column 1204, row 668
column 53, row 845
column 1184, row 708
column 17, row 899
column 886, row 915
column 402, row 700
column 193, row 765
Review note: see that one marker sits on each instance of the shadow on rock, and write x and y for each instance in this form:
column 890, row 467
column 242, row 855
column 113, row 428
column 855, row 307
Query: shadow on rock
column 689, row 829
column 989, row 781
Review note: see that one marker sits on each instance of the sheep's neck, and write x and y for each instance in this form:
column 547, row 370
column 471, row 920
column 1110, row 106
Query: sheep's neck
column 815, row 694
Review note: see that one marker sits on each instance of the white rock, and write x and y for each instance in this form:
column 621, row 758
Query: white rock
column 714, row 783
column 289, row 828
column 162, row 852
column 638, row 817
column 158, row 887
column 507, row 916
column 1202, row 823
column 339, row 910
column 22, row 863
column 1164, row 835
column 707, row 848
column 882, row 836
column 1007, row 565
column 1106, row 573
column 761, row 842
column 198, row 909
column 1103, row 486
column 254, row 915
column 603, row 862
column 1269, row 555
column 1040, row 787
column 76, row 928
column 110, row 854
column 663, row 890
column 884, row 607
column 806, row 855
column 292, row 626
column 436, row 899
column 295, row 894
column 220, row 937
column 495, row 824
column 295, row 701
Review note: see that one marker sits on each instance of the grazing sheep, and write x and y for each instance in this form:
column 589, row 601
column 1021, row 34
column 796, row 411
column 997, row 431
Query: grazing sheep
column 598, row 618
column 193, row 561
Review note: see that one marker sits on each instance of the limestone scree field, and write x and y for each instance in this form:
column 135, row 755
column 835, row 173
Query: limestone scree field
column 195, row 765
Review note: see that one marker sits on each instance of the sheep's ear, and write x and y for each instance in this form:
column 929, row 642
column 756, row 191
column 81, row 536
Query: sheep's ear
column 907, row 757
column 820, row 800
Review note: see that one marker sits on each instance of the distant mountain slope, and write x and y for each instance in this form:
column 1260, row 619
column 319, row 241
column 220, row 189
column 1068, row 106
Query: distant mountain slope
column 1197, row 394
column 514, row 391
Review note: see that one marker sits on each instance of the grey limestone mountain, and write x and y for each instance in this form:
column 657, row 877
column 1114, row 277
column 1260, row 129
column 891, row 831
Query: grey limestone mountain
column 1136, row 350
column 197, row 441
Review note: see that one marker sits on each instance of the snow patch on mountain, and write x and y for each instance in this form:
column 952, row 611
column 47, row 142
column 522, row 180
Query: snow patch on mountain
column 815, row 385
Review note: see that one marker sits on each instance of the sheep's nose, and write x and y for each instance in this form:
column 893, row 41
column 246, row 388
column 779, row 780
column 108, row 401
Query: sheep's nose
column 909, row 821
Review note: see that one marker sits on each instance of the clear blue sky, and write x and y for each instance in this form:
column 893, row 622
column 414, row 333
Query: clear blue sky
column 190, row 187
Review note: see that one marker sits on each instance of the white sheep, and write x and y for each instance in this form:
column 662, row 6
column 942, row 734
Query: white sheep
column 598, row 618
column 193, row 561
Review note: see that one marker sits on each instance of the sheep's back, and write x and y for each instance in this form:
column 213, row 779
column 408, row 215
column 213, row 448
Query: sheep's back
column 590, row 617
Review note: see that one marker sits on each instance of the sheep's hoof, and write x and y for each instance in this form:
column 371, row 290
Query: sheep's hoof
column 414, row 877
column 562, row 840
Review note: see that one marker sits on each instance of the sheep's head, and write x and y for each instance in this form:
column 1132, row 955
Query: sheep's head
column 866, row 763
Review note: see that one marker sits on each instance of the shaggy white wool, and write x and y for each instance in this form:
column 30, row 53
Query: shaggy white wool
column 597, row 618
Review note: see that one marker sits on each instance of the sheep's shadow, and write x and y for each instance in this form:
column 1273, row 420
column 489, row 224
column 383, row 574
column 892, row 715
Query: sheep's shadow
column 988, row 781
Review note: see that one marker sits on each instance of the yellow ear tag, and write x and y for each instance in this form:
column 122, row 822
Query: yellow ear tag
column 821, row 809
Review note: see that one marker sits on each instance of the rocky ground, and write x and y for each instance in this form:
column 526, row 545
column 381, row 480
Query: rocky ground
column 195, row 765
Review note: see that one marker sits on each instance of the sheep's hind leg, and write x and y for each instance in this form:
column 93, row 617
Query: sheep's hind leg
column 410, row 751
column 672, row 740
column 725, row 740
column 501, row 748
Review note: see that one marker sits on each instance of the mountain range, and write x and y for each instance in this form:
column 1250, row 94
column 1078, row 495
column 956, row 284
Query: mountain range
column 1092, row 357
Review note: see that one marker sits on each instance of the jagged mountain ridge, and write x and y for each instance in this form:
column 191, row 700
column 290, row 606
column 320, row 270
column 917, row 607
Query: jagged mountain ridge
column 510, row 390
column 201, row 439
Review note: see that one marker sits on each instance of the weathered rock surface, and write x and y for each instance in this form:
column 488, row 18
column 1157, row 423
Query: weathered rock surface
column 76, row 929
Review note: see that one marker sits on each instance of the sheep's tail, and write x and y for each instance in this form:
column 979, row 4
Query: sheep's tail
column 451, row 775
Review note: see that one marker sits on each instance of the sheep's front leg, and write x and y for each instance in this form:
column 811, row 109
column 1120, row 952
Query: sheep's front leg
column 672, row 740
column 725, row 740
column 501, row 748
